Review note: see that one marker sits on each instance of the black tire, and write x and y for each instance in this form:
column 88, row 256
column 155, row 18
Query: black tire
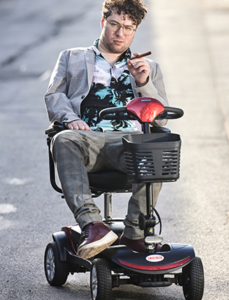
column 193, row 280
column 101, row 280
column 56, row 271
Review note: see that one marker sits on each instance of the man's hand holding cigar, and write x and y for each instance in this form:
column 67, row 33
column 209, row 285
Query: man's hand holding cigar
column 139, row 68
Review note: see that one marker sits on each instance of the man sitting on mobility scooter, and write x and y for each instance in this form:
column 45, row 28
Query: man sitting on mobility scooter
column 85, row 81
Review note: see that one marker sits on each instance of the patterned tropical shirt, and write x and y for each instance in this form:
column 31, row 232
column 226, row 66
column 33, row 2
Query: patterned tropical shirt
column 110, row 87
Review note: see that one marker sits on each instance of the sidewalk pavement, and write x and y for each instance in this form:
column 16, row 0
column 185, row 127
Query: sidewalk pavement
column 191, row 44
column 200, row 35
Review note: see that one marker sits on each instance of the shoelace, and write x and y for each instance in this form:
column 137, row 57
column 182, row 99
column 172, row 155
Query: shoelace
column 87, row 231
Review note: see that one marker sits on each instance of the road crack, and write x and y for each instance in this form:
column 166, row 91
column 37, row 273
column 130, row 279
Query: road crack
column 57, row 27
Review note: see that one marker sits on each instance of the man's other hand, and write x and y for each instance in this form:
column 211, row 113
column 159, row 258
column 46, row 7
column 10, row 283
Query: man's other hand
column 78, row 125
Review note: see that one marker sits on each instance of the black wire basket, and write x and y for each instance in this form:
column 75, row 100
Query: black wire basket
column 152, row 157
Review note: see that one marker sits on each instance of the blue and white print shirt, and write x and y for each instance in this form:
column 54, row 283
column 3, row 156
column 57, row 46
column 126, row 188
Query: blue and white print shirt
column 110, row 87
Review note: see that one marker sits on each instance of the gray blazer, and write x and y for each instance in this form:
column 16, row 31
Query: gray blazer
column 72, row 78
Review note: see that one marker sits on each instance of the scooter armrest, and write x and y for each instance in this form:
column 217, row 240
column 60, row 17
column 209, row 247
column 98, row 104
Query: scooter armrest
column 54, row 128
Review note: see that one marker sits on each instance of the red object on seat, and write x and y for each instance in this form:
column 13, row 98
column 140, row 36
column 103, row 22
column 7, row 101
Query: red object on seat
column 146, row 109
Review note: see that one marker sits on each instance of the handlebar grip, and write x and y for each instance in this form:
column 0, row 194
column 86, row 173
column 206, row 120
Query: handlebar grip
column 176, row 113
column 112, row 113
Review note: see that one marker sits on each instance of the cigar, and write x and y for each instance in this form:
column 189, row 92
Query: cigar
column 141, row 55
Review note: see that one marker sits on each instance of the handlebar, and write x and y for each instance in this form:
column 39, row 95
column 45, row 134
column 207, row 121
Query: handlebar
column 121, row 113
column 114, row 113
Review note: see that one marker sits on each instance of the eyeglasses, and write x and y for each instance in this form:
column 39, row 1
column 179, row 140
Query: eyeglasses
column 115, row 26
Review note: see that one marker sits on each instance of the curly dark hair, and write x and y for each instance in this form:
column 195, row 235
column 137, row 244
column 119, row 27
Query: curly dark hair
column 135, row 9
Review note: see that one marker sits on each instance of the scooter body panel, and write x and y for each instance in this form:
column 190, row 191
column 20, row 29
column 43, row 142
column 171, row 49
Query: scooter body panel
column 62, row 241
column 151, row 263
column 66, row 253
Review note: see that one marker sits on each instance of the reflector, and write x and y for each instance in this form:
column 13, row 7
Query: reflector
column 156, row 268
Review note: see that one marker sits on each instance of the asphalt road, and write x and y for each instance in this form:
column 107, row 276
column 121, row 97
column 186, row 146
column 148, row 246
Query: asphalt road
column 190, row 40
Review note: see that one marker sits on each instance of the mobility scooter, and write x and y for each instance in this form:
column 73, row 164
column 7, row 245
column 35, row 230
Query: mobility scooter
column 153, row 156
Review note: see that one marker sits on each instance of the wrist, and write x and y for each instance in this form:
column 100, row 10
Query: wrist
column 140, row 84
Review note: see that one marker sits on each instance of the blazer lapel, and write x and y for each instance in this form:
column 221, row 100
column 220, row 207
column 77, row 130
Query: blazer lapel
column 133, row 84
column 90, row 62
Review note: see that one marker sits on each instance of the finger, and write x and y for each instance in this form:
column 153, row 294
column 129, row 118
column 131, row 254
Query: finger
column 136, row 53
column 81, row 126
column 129, row 62
column 142, row 70
column 135, row 60
column 135, row 66
column 130, row 65
column 84, row 126
column 139, row 62
column 138, row 65
column 87, row 128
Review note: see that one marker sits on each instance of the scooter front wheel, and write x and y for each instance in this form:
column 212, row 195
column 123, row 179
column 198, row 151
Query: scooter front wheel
column 56, row 271
column 193, row 280
column 101, row 280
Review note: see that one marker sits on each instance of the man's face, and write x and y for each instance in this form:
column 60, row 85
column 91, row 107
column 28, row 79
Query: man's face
column 116, row 41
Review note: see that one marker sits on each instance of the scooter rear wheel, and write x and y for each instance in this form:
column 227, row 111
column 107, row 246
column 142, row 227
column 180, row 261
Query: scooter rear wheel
column 193, row 280
column 101, row 280
column 56, row 271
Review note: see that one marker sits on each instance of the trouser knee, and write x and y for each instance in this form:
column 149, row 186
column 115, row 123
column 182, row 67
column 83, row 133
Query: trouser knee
column 67, row 139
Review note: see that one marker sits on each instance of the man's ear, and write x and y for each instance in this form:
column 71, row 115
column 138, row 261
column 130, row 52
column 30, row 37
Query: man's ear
column 102, row 23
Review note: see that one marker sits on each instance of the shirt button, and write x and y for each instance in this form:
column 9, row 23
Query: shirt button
column 140, row 94
column 82, row 97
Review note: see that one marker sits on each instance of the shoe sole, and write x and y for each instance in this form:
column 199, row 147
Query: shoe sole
column 95, row 248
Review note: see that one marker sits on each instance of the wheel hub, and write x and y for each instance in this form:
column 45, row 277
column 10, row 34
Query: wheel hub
column 94, row 283
column 50, row 264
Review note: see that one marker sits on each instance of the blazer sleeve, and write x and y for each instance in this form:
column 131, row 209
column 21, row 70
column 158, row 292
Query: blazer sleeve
column 154, row 88
column 58, row 105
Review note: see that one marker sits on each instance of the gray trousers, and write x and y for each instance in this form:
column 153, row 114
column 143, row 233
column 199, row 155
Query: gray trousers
column 77, row 152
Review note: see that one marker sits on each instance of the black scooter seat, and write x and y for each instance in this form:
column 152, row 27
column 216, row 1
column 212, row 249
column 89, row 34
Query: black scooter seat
column 109, row 180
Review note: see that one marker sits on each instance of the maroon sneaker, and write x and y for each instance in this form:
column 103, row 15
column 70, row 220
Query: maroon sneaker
column 135, row 245
column 95, row 238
